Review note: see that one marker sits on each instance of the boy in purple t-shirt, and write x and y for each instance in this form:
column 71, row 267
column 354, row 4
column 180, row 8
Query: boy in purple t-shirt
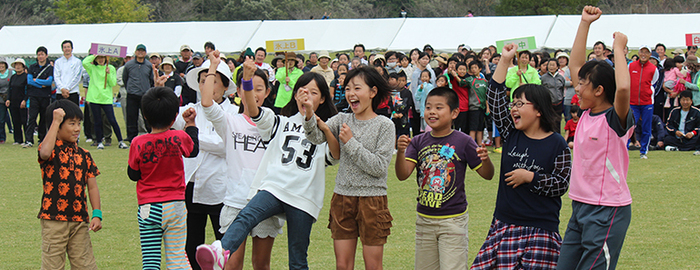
column 441, row 158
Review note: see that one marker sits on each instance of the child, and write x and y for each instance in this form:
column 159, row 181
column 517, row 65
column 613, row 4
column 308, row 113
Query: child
column 534, row 174
column 99, row 96
column 441, row 81
column 457, row 79
column 290, row 179
column 155, row 163
column 403, row 103
column 601, row 199
column 67, row 171
column 674, row 71
column 570, row 127
column 243, row 148
column 359, row 206
column 441, row 158
column 478, row 107
column 423, row 90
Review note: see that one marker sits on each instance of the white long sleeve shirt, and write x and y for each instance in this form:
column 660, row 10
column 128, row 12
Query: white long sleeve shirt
column 292, row 169
column 67, row 73
column 208, row 170
column 244, row 149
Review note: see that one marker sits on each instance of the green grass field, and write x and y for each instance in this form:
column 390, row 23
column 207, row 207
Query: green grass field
column 663, row 234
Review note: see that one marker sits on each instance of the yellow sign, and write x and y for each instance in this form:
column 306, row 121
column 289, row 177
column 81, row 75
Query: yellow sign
column 285, row 45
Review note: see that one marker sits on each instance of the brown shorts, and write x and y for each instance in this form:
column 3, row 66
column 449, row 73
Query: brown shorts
column 366, row 217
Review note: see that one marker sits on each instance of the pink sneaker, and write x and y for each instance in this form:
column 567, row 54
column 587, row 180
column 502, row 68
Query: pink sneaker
column 211, row 257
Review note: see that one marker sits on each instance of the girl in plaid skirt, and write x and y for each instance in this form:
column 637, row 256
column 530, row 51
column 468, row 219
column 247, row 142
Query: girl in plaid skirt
column 535, row 170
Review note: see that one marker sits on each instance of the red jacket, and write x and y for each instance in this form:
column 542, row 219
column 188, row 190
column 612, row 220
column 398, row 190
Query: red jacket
column 641, row 89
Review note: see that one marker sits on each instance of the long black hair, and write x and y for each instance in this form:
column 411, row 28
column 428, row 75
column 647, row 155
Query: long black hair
column 325, row 110
column 542, row 102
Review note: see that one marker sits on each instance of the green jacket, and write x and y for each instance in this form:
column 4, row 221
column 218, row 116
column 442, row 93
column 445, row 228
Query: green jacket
column 531, row 76
column 97, row 92
column 284, row 96
column 694, row 87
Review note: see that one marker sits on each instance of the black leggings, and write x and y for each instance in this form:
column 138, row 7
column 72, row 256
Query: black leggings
column 19, row 122
column 97, row 120
column 197, row 223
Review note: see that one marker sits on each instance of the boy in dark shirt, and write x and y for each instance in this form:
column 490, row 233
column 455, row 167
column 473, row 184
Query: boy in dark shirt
column 440, row 158
column 403, row 102
column 67, row 171
column 155, row 162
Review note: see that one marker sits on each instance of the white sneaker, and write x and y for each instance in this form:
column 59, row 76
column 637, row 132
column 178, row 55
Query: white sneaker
column 671, row 148
column 697, row 153
column 211, row 257
column 27, row 145
column 88, row 140
column 123, row 145
column 643, row 156
column 100, row 146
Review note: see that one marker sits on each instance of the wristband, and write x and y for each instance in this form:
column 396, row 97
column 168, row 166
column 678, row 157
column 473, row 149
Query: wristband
column 247, row 84
column 97, row 213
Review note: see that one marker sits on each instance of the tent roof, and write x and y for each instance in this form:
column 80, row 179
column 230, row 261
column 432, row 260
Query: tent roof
column 641, row 29
column 444, row 34
column 400, row 34
column 330, row 35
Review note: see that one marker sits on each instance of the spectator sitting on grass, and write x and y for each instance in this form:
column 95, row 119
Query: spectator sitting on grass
column 658, row 133
column 683, row 125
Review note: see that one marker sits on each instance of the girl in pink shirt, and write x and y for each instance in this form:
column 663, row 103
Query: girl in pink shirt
column 601, row 199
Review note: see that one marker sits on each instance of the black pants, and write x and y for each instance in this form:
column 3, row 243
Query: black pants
column 100, row 111
column 19, row 122
column 415, row 123
column 559, row 109
column 133, row 106
column 75, row 97
column 683, row 144
column 89, row 124
column 37, row 109
column 197, row 223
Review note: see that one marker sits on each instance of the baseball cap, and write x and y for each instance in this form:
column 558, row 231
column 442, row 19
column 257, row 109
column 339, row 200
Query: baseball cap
column 185, row 47
column 197, row 55
column 428, row 47
column 645, row 47
column 140, row 47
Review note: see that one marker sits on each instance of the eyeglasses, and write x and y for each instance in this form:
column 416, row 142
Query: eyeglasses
column 518, row 104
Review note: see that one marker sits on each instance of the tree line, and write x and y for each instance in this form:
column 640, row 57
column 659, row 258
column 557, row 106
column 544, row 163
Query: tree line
column 39, row 12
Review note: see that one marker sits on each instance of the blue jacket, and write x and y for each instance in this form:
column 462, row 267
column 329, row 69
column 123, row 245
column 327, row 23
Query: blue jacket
column 44, row 78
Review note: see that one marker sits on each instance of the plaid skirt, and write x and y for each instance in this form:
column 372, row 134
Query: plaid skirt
column 518, row 247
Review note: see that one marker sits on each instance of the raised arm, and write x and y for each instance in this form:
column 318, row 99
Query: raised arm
column 497, row 94
column 622, row 78
column 578, row 50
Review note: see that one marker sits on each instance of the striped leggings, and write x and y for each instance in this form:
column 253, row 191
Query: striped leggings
column 164, row 222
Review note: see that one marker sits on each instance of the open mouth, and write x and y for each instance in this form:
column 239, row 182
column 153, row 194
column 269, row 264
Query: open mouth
column 432, row 119
column 354, row 104
column 516, row 118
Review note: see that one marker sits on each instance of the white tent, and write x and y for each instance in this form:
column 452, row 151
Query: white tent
column 641, row 29
column 22, row 41
column 331, row 35
column 444, row 34
column 166, row 38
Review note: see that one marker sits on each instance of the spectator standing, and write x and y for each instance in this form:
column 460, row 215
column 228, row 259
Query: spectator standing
column 5, row 74
column 99, row 95
column 39, row 80
column 313, row 60
column 121, row 97
column 260, row 54
column 17, row 100
column 184, row 61
column 660, row 48
column 138, row 78
column 643, row 76
column 287, row 77
column 324, row 69
column 555, row 82
column 67, row 73
column 358, row 51
column 188, row 95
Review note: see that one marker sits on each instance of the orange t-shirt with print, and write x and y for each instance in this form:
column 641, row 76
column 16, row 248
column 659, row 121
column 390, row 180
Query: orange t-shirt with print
column 65, row 175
